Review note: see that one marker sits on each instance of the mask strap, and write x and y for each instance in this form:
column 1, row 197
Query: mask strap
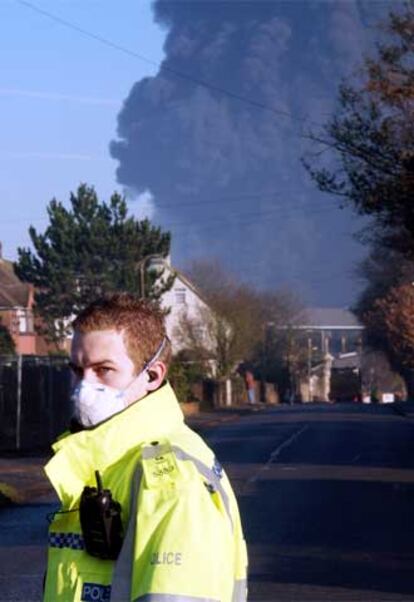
column 156, row 355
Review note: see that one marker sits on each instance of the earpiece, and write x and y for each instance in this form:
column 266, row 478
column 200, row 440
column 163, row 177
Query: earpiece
column 151, row 376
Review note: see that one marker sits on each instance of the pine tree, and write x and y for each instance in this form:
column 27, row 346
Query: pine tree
column 89, row 250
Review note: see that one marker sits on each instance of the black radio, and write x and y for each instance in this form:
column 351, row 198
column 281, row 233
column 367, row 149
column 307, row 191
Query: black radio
column 100, row 518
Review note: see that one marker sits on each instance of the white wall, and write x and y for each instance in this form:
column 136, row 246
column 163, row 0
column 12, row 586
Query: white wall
column 182, row 300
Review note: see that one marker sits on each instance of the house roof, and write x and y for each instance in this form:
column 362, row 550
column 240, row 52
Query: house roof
column 7, row 274
column 328, row 318
column 13, row 292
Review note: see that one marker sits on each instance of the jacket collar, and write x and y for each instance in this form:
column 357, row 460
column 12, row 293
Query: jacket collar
column 80, row 454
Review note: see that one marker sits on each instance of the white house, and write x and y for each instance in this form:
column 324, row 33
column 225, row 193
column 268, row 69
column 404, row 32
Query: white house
column 184, row 300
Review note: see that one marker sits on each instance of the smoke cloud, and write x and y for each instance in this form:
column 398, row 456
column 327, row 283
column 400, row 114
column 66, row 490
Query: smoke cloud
column 223, row 169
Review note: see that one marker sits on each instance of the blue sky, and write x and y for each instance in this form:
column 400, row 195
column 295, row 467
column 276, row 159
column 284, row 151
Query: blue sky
column 60, row 93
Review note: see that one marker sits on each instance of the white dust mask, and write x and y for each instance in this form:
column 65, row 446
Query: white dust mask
column 96, row 402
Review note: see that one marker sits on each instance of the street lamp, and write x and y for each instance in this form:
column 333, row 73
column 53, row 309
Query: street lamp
column 157, row 261
column 309, row 367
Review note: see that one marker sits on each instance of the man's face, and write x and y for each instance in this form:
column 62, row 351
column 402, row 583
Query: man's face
column 101, row 357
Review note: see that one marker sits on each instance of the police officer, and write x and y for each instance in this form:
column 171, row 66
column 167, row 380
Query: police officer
column 147, row 513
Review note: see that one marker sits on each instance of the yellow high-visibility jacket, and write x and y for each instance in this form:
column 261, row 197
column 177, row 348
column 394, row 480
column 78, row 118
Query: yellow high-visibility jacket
column 183, row 537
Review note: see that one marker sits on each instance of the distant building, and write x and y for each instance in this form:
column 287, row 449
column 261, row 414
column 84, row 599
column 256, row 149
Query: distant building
column 16, row 308
column 332, row 330
column 333, row 340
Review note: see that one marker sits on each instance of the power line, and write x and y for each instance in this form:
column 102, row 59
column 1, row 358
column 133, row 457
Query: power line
column 234, row 198
column 252, row 217
column 224, row 200
column 306, row 210
column 195, row 80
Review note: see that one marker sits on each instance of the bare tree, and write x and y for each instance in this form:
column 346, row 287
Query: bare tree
column 234, row 328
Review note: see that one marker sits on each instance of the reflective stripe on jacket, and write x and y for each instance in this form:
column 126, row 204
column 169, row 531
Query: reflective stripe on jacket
column 183, row 538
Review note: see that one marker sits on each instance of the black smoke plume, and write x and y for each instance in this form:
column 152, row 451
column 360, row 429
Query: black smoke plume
column 215, row 137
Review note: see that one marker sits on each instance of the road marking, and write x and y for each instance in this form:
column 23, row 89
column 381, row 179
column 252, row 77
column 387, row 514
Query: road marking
column 286, row 443
column 275, row 453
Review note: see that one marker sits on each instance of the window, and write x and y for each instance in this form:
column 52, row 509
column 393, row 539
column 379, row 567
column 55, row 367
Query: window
column 180, row 296
column 24, row 319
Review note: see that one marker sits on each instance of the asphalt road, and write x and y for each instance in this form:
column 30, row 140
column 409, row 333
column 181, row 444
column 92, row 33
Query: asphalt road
column 327, row 501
